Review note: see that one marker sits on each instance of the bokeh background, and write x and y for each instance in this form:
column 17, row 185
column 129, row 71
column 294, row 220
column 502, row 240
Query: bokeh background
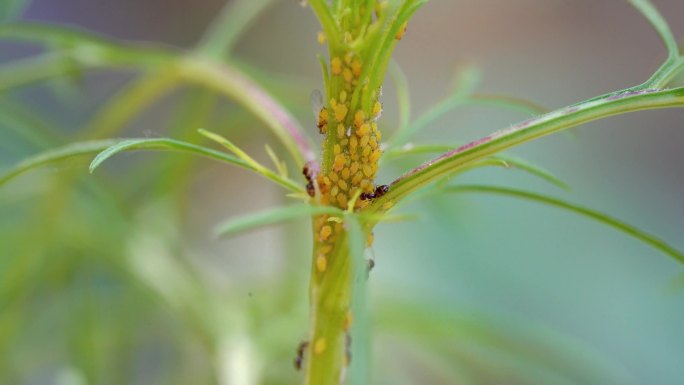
column 115, row 278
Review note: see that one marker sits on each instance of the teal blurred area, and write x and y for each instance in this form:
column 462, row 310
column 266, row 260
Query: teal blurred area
column 116, row 278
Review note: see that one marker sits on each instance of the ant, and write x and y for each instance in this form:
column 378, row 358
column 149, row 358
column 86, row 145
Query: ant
column 377, row 193
column 309, row 174
column 299, row 359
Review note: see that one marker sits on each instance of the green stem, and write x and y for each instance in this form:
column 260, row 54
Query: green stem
column 330, row 302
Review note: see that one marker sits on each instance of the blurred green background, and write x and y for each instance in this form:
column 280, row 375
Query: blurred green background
column 115, row 278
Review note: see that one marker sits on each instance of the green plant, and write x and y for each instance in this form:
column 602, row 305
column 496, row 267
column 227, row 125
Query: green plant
column 341, row 196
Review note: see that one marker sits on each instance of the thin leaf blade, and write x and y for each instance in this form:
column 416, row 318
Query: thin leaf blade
column 164, row 144
column 651, row 13
column 626, row 228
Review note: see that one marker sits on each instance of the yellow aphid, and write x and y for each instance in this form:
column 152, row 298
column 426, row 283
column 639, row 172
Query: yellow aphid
column 347, row 75
column 340, row 131
column 344, row 141
column 321, row 37
column 366, row 151
column 322, row 117
column 348, row 57
column 336, row 66
column 334, row 177
column 368, row 170
column 343, row 96
column 364, row 141
column 363, row 130
column 346, row 173
column 355, row 155
column 378, row 134
column 357, row 178
column 343, row 185
column 337, row 149
column 401, row 32
column 348, row 321
column 353, row 143
column 321, row 263
column 377, row 109
column 342, row 200
column 356, row 67
column 326, row 182
column 359, row 118
column 338, row 164
column 354, row 167
column 319, row 346
column 340, row 112
column 334, row 191
column 326, row 232
column 387, row 205
column 366, row 185
column 375, row 156
column 373, row 142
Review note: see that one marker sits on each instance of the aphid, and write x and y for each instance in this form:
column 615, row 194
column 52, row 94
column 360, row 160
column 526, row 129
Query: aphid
column 377, row 193
column 299, row 359
column 402, row 31
column 319, row 110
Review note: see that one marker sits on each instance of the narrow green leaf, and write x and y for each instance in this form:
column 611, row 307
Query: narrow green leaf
column 451, row 162
column 280, row 166
column 55, row 155
column 360, row 339
column 272, row 216
column 322, row 10
column 382, row 58
column 496, row 160
column 649, row 239
column 164, row 144
column 654, row 17
column 521, row 164
column 256, row 166
column 110, row 147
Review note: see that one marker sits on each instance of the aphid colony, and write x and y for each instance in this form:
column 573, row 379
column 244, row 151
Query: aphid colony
column 351, row 151
column 353, row 137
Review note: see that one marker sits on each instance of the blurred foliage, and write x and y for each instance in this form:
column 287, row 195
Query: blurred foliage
column 100, row 282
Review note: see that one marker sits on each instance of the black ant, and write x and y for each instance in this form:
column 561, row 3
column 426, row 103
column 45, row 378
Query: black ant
column 299, row 359
column 309, row 174
column 377, row 193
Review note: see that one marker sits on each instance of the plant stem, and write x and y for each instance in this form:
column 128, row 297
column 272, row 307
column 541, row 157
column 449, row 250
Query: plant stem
column 330, row 299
